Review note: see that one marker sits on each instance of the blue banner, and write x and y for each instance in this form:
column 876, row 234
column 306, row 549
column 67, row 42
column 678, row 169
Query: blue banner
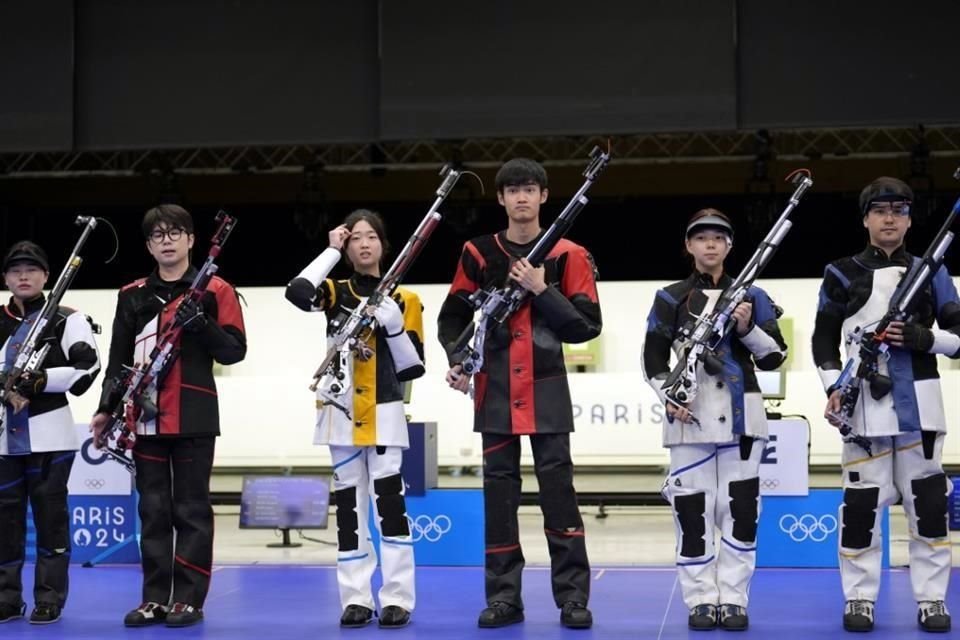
column 419, row 466
column 804, row 531
column 446, row 526
column 102, row 529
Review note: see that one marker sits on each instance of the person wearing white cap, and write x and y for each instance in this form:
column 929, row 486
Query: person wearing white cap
column 717, row 441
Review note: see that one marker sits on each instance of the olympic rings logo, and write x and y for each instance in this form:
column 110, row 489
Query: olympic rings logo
column 94, row 483
column 808, row 526
column 429, row 529
column 769, row 483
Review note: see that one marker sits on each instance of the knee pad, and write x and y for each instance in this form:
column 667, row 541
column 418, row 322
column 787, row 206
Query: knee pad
column 930, row 505
column 501, row 499
column 558, row 500
column 690, row 511
column 391, row 506
column 744, row 508
column 859, row 517
column 347, row 522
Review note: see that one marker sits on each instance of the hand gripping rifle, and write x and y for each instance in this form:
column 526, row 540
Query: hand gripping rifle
column 352, row 330
column 870, row 347
column 140, row 382
column 702, row 335
column 34, row 348
column 496, row 304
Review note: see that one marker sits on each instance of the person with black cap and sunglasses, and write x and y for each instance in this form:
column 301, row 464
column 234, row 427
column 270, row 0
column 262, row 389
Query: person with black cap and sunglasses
column 715, row 443
column 906, row 426
column 38, row 443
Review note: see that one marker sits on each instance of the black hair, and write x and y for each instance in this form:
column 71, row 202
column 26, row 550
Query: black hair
column 519, row 172
column 172, row 215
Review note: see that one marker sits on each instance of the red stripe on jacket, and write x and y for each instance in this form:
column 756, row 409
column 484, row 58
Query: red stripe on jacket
column 168, row 397
column 522, row 410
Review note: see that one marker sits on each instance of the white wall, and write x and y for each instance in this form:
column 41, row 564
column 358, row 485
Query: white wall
column 267, row 412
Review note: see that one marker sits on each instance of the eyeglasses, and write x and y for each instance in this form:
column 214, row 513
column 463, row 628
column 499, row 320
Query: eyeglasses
column 896, row 209
column 175, row 233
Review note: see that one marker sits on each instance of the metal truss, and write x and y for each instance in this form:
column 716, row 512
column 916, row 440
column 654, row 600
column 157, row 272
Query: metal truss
column 786, row 144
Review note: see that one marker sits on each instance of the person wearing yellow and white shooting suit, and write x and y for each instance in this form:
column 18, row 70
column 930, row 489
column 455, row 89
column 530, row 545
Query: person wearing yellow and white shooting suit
column 363, row 420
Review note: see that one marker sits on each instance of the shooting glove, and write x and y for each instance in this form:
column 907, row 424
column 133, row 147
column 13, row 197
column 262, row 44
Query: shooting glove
column 389, row 317
column 31, row 384
column 917, row 337
column 191, row 316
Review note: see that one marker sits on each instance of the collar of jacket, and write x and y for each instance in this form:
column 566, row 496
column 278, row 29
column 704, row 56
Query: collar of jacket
column 363, row 283
column 518, row 250
column 876, row 257
column 700, row 280
column 154, row 281
column 30, row 306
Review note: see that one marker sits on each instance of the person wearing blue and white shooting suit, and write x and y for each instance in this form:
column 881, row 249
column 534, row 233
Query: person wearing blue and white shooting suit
column 39, row 442
column 906, row 426
column 717, row 441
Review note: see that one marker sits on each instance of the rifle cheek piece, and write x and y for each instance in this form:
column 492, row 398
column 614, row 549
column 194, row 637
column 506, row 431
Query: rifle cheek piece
column 712, row 364
column 880, row 386
column 148, row 408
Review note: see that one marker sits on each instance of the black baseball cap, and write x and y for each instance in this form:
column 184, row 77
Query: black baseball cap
column 26, row 251
column 884, row 189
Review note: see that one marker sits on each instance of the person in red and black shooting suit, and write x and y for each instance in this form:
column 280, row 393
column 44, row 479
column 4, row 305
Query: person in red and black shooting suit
column 174, row 452
column 522, row 390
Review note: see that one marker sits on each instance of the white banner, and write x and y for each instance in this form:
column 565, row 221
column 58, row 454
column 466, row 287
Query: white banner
column 94, row 474
column 267, row 414
column 617, row 416
column 783, row 468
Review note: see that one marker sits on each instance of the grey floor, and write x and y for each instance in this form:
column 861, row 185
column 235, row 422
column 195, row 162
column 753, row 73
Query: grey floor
column 627, row 536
